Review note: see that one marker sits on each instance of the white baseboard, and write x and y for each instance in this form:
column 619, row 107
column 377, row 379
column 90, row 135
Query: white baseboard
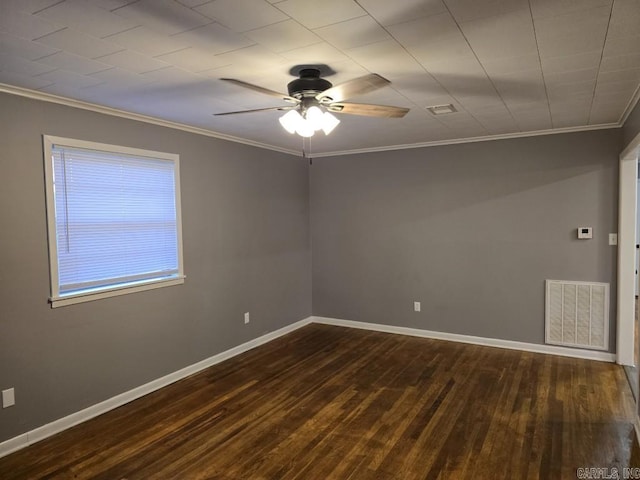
column 40, row 433
column 456, row 337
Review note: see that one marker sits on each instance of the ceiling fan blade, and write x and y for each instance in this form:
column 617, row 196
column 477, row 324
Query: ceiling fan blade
column 384, row 111
column 357, row 86
column 262, row 90
column 287, row 107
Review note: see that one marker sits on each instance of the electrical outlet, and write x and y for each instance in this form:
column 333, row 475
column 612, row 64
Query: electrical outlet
column 8, row 398
column 613, row 239
column 416, row 306
column 246, row 318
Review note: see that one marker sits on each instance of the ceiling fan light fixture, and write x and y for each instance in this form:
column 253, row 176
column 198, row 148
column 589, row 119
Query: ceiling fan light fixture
column 329, row 122
column 305, row 125
column 305, row 128
column 315, row 117
column 290, row 121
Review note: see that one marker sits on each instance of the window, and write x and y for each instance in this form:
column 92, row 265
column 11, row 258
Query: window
column 114, row 220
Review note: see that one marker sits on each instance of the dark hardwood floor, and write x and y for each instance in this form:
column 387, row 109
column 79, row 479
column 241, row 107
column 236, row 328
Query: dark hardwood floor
column 334, row 403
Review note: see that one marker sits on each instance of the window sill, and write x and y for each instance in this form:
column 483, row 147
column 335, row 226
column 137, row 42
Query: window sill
column 89, row 296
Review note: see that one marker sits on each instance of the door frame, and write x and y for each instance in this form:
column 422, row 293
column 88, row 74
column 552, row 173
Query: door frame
column 627, row 218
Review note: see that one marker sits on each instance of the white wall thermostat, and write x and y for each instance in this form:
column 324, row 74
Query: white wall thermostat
column 585, row 233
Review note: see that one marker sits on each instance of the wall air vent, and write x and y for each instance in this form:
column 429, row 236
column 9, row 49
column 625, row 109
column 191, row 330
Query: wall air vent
column 577, row 314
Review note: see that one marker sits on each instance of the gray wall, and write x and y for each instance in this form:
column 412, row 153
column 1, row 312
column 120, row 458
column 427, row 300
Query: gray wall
column 246, row 248
column 632, row 126
column 471, row 231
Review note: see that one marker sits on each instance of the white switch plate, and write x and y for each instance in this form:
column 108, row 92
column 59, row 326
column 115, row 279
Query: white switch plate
column 613, row 239
column 416, row 306
column 8, row 398
column 246, row 318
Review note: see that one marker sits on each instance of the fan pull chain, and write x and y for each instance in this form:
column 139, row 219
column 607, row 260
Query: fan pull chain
column 306, row 151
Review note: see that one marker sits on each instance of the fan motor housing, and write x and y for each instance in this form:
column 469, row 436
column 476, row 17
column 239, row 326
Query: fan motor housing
column 308, row 84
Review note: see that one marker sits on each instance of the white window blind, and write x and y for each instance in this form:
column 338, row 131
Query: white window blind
column 116, row 218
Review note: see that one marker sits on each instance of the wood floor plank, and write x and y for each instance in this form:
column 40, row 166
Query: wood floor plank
column 333, row 403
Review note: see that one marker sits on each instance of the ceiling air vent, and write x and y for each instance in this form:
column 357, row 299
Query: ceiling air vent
column 441, row 109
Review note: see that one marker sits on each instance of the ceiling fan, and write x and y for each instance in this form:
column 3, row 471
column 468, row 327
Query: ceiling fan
column 313, row 99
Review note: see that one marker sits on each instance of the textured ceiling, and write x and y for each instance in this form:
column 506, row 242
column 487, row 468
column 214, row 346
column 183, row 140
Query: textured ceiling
column 508, row 66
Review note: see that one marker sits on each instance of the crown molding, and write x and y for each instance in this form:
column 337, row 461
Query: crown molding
column 93, row 107
column 487, row 138
column 47, row 97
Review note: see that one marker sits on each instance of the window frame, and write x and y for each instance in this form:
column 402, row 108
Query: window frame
column 89, row 294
